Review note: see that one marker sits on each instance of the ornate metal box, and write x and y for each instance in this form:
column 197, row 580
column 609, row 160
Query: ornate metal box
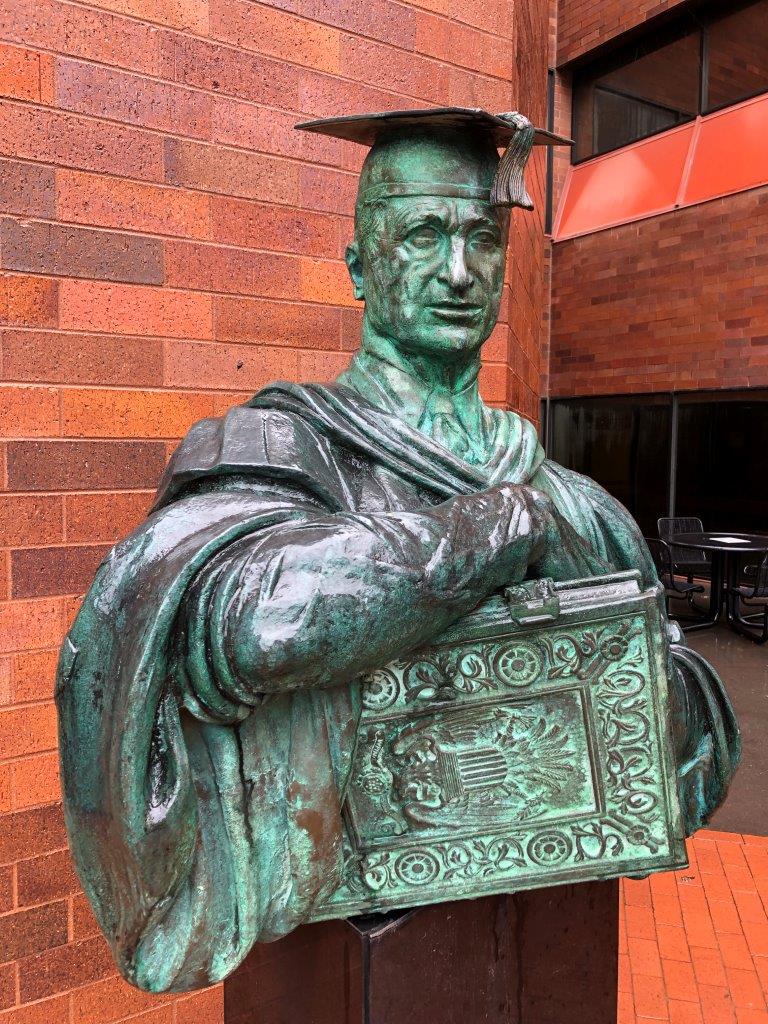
column 529, row 746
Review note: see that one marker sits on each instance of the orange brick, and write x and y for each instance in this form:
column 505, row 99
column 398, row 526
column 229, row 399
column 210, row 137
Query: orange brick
column 91, row 34
column 684, row 1013
column 666, row 910
column 76, row 141
column 117, row 202
column 698, row 925
column 708, row 965
column 113, row 413
column 6, row 788
column 231, row 172
column 637, row 892
column 49, row 1011
column 19, row 73
column 104, row 517
column 291, row 324
column 26, row 519
column 716, row 1005
column 321, row 366
column 35, row 781
column 202, row 1008
column 650, row 998
column 735, row 951
column 30, row 625
column 27, row 730
column 454, row 42
column 182, row 14
column 745, row 988
column 750, row 907
column 225, row 269
column 757, row 938
column 644, row 956
column 29, row 411
column 204, row 365
column 673, row 943
column 28, row 301
column 32, row 675
column 6, row 680
column 725, row 916
column 134, row 309
column 323, row 281
column 625, row 1008
column 106, row 92
column 276, row 34
column 246, row 223
column 744, row 1016
column 110, row 1000
column 680, row 981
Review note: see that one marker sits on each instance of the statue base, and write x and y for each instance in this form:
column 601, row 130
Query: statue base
column 546, row 956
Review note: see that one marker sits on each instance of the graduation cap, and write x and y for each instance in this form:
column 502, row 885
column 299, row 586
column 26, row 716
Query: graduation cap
column 511, row 131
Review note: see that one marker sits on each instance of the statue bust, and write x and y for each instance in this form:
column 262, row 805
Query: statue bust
column 209, row 689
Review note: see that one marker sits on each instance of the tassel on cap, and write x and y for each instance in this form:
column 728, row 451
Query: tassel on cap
column 511, row 129
column 509, row 183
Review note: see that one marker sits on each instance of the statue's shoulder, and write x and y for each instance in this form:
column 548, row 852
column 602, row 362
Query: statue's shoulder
column 245, row 440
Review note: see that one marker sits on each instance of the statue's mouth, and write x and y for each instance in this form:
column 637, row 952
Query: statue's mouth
column 457, row 312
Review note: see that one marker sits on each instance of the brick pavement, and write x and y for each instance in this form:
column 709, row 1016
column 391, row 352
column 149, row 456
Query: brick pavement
column 694, row 943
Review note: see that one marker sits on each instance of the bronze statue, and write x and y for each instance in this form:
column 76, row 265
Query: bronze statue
column 209, row 690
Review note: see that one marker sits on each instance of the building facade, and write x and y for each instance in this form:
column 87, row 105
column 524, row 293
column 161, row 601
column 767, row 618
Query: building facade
column 658, row 364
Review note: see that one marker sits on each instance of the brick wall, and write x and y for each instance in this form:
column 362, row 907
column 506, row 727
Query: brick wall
column 584, row 25
column 673, row 302
column 167, row 246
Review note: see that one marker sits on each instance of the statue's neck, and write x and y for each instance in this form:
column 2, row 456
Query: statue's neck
column 455, row 378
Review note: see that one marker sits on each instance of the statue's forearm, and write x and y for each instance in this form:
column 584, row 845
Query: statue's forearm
column 319, row 602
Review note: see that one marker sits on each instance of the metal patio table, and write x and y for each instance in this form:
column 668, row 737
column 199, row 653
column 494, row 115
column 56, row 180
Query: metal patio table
column 722, row 547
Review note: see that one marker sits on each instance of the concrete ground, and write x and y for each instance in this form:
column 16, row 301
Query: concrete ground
column 743, row 667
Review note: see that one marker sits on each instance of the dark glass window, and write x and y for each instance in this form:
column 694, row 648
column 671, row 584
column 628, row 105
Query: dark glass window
column 722, row 462
column 654, row 91
column 623, row 444
column 705, row 60
column 720, row 473
column 737, row 57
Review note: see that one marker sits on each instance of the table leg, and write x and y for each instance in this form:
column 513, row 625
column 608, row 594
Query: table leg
column 716, row 596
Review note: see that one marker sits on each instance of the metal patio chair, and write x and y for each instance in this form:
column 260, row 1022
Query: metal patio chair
column 687, row 561
column 674, row 587
column 752, row 594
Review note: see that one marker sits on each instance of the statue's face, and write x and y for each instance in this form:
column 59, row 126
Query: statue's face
column 431, row 272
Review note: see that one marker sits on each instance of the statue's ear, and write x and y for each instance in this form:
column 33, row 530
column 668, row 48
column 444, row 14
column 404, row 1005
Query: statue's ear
column 355, row 268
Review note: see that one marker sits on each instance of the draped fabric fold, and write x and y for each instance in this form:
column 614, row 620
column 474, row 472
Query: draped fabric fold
column 207, row 690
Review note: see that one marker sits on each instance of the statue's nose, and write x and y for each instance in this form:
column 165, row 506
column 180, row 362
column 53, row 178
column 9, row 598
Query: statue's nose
column 457, row 273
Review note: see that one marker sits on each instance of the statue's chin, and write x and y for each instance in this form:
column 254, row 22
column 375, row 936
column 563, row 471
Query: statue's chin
column 445, row 339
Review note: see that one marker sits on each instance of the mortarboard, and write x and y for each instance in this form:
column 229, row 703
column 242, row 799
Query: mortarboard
column 511, row 131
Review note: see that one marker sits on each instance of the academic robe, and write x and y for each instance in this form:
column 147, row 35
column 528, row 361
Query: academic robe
column 208, row 690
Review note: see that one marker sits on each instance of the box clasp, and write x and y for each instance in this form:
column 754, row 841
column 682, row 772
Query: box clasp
column 533, row 602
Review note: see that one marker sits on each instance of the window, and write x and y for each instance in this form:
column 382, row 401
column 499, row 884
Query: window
column 720, row 467
column 737, row 57
column 696, row 66
column 656, row 90
column 621, row 443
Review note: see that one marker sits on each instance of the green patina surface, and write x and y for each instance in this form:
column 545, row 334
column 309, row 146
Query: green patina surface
column 261, row 697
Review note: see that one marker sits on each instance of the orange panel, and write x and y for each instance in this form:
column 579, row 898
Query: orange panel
column 731, row 152
column 633, row 182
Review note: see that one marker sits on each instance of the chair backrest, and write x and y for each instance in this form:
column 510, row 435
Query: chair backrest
column 679, row 524
column 662, row 558
column 688, row 557
column 761, row 583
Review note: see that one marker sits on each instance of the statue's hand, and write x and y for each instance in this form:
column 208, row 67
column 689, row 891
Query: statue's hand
column 564, row 555
column 553, row 547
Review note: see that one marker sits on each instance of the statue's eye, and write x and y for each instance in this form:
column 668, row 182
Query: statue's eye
column 423, row 237
column 484, row 239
